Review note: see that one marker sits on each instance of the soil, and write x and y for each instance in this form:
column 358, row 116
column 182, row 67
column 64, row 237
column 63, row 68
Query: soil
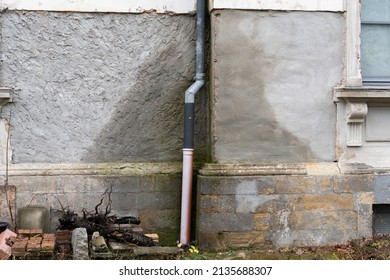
column 377, row 248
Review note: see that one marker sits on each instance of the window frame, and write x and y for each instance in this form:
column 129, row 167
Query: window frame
column 353, row 53
column 374, row 80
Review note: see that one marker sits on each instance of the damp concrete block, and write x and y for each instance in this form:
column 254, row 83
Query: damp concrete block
column 156, row 250
column 80, row 244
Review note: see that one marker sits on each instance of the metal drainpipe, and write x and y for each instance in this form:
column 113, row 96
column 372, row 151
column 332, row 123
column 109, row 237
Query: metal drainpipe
column 189, row 115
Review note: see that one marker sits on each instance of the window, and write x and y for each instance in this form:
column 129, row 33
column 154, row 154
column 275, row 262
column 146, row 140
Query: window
column 375, row 42
column 381, row 218
column 363, row 101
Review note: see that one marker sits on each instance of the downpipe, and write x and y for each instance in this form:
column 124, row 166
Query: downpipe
column 189, row 118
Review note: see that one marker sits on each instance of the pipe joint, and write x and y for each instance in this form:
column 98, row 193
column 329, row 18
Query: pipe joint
column 199, row 76
column 192, row 90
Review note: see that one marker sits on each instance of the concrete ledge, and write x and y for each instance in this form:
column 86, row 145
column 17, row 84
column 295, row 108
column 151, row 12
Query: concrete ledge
column 361, row 168
column 290, row 5
column 118, row 169
column 252, row 169
column 157, row 250
column 118, row 6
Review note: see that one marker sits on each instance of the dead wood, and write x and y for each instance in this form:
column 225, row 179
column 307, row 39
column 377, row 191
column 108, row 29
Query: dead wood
column 102, row 222
column 131, row 237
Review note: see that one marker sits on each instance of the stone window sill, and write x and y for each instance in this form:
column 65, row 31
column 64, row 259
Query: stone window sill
column 365, row 93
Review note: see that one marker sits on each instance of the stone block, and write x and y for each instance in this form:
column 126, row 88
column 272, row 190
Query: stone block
column 315, row 219
column 295, row 184
column 217, row 203
column 382, row 189
column 325, row 184
column 218, row 185
column 158, row 200
column 80, row 244
column 252, row 203
column 324, row 202
column 155, row 250
column 225, row 222
column 120, row 248
column 223, row 241
column 261, row 221
column 244, row 239
column 354, row 183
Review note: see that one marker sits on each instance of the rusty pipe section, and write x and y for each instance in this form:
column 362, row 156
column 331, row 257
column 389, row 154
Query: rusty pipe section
column 189, row 118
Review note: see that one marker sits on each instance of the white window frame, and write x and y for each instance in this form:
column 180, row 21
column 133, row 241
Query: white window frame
column 353, row 69
column 353, row 102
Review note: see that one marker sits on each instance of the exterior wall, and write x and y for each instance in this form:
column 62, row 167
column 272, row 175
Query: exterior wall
column 275, row 136
column 98, row 87
column 311, row 205
column 118, row 6
column 154, row 198
column 273, row 78
column 97, row 100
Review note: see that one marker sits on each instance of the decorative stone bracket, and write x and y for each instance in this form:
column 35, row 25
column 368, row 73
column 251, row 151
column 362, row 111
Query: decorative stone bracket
column 356, row 100
column 5, row 151
column 5, row 96
column 356, row 114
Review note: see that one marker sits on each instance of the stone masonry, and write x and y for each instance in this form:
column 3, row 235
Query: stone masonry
column 286, row 210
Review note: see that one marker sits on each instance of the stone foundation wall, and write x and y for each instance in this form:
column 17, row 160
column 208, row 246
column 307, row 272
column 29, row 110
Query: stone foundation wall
column 304, row 209
column 154, row 196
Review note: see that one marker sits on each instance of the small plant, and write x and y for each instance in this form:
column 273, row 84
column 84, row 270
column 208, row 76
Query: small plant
column 191, row 252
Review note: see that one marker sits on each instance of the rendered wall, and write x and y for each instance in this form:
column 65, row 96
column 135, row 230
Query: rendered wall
column 273, row 127
column 273, row 79
column 99, row 87
column 97, row 101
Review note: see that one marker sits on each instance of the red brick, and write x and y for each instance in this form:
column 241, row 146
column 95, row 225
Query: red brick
column 24, row 232
column 33, row 247
column 36, row 232
column 49, row 236
column 4, row 248
column 19, row 246
column 48, row 245
column 3, row 255
column 36, row 239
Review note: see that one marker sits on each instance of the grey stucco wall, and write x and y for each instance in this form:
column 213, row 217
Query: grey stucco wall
column 274, row 73
column 99, row 87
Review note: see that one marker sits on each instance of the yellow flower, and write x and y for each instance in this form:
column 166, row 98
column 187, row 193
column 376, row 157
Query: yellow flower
column 194, row 250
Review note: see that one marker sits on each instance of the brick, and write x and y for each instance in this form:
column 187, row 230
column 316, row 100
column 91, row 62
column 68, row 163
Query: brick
column 4, row 248
column 49, row 236
column 36, row 239
column 48, row 245
column 33, row 247
column 36, row 232
column 3, row 255
column 24, row 232
column 19, row 246
column 153, row 236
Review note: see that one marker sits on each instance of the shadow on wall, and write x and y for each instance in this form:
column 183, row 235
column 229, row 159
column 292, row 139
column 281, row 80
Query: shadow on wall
column 272, row 103
column 147, row 124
